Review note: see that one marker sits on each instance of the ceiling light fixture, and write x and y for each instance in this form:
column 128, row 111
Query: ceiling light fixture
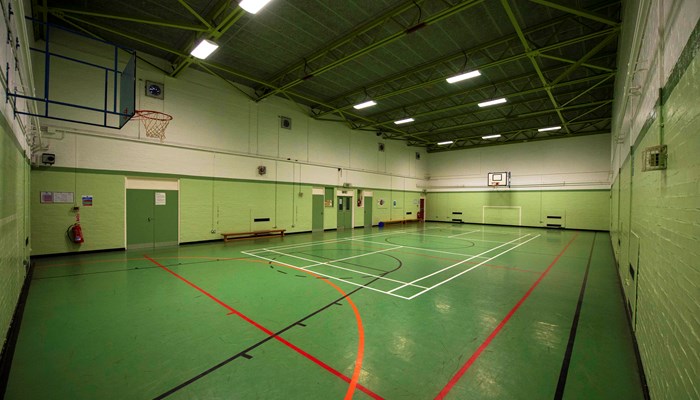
column 464, row 76
column 444, row 143
column 253, row 6
column 204, row 49
column 492, row 102
column 491, row 137
column 366, row 104
column 552, row 128
column 404, row 121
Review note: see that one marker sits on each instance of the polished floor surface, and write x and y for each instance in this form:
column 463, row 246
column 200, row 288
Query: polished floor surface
column 421, row 311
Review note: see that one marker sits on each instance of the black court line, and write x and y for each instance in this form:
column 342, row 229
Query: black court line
column 245, row 352
column 138, row 268
column 559, row 394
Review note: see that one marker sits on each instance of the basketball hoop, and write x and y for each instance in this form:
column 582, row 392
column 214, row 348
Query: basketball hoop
column 154, row 122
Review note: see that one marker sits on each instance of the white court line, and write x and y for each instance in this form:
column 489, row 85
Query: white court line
column 343, row 268
column 465, row 233
column 420, row 248
column 333, row 277
column 462, row 262
column 469, row 269
column 449, row 237
column 329, row 241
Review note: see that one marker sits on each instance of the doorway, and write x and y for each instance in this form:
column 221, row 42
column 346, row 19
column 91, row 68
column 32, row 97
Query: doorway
column 344, row 212
column 151, row 218
column 317, row 212
column 368, row 211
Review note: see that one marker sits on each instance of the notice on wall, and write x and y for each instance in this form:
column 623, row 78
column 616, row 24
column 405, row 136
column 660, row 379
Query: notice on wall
column 56, row 197
column 63, row 197
column 47, row 197
column 87, row 200
column 160, row 198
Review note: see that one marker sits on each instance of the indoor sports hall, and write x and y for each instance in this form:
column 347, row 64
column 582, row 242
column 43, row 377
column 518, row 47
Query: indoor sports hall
column 388, row 199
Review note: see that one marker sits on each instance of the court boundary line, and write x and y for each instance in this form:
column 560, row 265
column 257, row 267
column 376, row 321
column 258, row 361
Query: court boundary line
column 475, row 266
column 273, row 335
column 458, row 375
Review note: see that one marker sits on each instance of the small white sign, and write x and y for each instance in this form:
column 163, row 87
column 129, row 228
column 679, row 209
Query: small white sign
column 160, row 198
column 63, row 197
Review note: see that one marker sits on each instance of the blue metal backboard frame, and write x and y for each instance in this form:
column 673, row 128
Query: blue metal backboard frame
column 117, row 109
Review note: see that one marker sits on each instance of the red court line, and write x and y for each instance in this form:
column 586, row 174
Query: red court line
column 358, row 363
column 445, row 390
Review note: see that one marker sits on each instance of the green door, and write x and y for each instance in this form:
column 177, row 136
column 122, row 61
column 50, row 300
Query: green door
column 368, row 212
column 139, row 218
column 151, row 218
column 344, row 212
column 317, row 213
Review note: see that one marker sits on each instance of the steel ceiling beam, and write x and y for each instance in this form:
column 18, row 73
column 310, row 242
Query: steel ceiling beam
column 578, row 12
column 298, row 68
column 166, row 24
column 602, row 77
column 195, row 14
column 493, row 64
column 380, row 43
column 213, row 34
column 512, row 118
column 566, row 60
column 531, row 56
column 439, row 149
column 600, row 46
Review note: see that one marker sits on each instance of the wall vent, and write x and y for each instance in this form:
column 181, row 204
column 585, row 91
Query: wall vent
column 654, row 158
column 285, row 122
column 262, row 170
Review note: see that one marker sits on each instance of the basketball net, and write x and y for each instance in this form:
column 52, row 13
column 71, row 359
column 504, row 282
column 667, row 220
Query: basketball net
column 154, row 122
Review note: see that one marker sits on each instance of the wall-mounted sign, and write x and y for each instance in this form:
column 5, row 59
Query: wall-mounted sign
column 87, row 200
column 56, row 197
column 160, row 198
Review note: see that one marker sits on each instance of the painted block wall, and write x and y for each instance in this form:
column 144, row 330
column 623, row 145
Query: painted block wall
column 14, row 227
column 573, row 163
column 581, row 209
column 661, row 207
column 15, row 175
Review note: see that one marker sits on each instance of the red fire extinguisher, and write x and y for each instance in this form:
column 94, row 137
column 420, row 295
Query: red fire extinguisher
column 75, row 232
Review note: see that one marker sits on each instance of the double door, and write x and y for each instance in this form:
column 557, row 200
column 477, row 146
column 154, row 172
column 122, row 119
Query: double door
column 151, row 218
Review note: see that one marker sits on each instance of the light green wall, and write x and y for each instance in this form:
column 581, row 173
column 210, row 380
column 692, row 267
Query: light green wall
column 663, row 209
column 14, row 228
column 581, row 209
column 206, row 205
column 102, row 224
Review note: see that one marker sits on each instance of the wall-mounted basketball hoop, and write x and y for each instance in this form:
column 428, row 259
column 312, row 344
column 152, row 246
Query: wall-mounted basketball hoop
column 496, row 179
column 154, row 122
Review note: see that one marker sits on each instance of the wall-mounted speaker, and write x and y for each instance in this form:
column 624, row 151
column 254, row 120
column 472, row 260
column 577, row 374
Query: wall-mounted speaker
column 262, row 170
column 285, row 122
column 48, row 158
column 381, row 147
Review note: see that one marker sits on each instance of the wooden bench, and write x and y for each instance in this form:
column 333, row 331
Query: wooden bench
column 252, row 234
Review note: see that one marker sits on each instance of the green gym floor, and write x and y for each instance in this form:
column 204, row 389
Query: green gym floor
column 420, row 311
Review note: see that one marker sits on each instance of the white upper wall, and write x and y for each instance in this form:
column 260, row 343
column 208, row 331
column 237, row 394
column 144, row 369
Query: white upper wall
column 572, row 163
column 654, row 33
column 216, row 130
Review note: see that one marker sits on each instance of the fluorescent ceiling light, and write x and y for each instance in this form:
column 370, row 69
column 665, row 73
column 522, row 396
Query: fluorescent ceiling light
column 366, row 104
column 204, row 49
column 461, row 77
column 491, row 137
column 404, row 121
column 552, row 128
column 444, row 143
column 492, row 102
column 253, row 6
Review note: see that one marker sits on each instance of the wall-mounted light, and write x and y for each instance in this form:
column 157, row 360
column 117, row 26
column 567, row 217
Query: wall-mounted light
column 366, row 104
column 445, row 143
column 551, row 128
column 464, row 76
column 404, row 121
column 253, row 6
column 491, row 137
column 204, row 49
column 492, row 102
